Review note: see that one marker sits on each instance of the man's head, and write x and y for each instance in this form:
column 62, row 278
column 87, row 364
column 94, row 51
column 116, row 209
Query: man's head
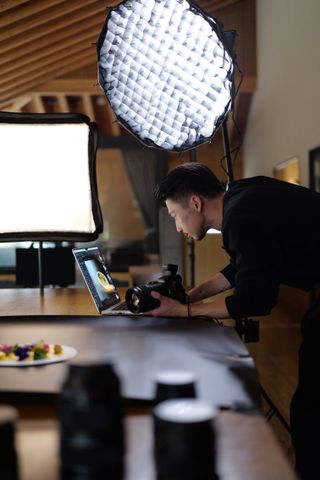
column 192, row 194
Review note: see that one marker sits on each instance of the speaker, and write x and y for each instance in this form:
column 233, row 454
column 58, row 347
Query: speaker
column 58, row 266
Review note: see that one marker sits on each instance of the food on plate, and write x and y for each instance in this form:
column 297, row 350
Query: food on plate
column 38, row 350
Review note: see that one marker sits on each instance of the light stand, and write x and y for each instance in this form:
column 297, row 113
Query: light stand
column 41, row 284
column 191, row 248
column 49, row 188
column 227, row 151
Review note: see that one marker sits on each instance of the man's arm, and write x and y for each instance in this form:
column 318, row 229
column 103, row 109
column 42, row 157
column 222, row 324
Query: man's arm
column 216, row 309
column 215, row 285
column 172, row 308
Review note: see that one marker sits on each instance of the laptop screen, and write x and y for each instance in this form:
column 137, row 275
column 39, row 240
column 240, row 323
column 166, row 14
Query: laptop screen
column 97, row 277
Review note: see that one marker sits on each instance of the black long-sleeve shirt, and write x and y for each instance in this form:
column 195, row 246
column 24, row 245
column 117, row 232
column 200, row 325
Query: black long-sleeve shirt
column 271, row 230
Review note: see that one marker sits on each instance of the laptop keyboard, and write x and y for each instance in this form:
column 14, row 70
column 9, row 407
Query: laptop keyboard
column 121, row 306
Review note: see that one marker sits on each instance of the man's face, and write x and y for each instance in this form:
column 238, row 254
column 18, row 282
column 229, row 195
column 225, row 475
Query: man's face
column 188, row 217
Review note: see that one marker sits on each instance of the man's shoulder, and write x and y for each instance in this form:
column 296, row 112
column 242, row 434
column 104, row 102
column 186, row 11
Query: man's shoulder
column 241, row 191
column 257, row 181
column 253, row 198
column 267, row 187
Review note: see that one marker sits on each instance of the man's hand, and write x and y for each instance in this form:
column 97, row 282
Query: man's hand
column 168, row 307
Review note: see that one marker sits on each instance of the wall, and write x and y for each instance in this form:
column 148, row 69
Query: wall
column 284, row 118
column 122, row 220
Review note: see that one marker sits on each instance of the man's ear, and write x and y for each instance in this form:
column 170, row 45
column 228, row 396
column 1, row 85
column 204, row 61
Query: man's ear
column 196, row 203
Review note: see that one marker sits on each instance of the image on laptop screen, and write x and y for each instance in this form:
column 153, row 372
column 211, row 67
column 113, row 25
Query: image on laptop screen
column 97, row 277
column 101, row 279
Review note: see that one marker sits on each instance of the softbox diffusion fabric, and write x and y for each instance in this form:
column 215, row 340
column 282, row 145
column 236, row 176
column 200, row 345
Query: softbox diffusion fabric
column 165, row 71
column 48, row 178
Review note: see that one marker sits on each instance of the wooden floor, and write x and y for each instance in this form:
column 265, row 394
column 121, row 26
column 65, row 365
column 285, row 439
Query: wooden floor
column 276, row 357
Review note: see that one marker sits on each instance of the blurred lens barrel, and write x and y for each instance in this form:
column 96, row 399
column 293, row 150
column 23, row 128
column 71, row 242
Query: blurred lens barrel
column 91, row 422
column 174, row 384
column 184, row 440
column 138, row 299
column 8, row 457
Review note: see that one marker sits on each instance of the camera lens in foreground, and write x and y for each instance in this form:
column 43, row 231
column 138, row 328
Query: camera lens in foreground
column 138, row 299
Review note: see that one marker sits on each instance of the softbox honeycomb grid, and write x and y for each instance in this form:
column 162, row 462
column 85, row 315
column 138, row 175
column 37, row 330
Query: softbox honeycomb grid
column 165, row 71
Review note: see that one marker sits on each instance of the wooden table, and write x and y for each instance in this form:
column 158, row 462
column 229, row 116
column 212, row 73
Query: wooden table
column 54, row 301
column 246, row 448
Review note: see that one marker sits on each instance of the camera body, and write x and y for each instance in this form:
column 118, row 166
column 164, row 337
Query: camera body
column 139, row 298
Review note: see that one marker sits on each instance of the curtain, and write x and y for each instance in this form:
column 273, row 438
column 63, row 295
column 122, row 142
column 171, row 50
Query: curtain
column 145, row 169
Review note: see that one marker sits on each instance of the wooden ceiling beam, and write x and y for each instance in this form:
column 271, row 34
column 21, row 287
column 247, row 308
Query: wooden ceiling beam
column 19, row 103
column 63, row 103
column 9, row 4
column 45, row 56
column 88, row 106
column 61, row 15
column 211, row 6
column 25, row 11
column 94, row 22
column 70, row 86
column 69, row 65
column 37, row 104
column 112, row 3
column 33, row 70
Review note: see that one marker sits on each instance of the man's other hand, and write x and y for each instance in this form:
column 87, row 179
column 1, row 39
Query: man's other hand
column 168, row 307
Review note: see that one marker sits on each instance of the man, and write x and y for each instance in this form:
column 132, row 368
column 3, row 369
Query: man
column 271, row 231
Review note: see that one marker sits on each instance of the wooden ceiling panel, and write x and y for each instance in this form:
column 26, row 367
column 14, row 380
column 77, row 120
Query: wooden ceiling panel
column 37, row 70
column 52, row 19
column 44, row 39
column 41, row 40
column 8, row 95
column 21, row 12
column 212, row 6
column 43, row 57
column 10, row 4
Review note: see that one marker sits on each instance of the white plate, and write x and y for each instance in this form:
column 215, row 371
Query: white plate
column 68, row 352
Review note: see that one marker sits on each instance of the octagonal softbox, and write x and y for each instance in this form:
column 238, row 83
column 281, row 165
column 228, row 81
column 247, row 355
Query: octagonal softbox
column 165, row 68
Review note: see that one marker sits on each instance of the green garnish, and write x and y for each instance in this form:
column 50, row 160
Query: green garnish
column 39, row 354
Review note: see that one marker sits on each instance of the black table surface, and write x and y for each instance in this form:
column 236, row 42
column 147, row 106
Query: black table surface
column 138, row 347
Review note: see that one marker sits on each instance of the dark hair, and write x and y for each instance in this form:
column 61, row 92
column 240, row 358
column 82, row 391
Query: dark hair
column 188, row 179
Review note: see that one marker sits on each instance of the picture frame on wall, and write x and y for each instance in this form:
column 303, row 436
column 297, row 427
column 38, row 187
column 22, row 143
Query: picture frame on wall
column 314, row 169
column 288, row 170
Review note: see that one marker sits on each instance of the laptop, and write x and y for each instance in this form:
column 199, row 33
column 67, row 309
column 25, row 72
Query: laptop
column 99, row 282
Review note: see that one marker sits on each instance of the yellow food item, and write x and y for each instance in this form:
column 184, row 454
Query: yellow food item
column 57, row 349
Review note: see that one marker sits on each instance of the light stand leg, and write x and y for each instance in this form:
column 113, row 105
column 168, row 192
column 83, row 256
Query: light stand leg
column 40, row 268
column 227, row 151
column 191, row 255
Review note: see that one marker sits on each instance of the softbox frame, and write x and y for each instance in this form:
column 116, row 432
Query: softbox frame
column 66, row 198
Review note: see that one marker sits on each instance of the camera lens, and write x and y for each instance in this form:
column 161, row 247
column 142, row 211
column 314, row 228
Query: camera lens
column 138, row 299
column 90, row 414
column 184, row 440
column 8, row 456
column 135, row 300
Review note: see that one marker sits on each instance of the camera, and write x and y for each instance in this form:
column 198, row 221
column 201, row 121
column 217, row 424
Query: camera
column 139, row 298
